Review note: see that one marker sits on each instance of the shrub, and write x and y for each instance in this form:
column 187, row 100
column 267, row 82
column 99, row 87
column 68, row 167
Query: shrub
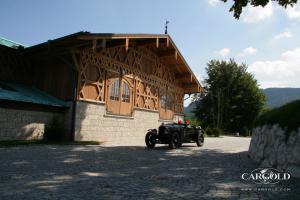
column 287, row 116
column 213, row 132
column 208, row 131
column 244, row 131
column 54, row 131
column 217, row 132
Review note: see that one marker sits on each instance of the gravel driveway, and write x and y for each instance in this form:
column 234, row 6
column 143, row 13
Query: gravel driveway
column 133, row 172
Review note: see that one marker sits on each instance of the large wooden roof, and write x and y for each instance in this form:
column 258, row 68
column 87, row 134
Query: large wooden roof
column 161, row 44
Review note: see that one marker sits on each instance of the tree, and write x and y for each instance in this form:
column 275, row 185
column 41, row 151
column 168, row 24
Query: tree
column 238, row 5
column 232, row 99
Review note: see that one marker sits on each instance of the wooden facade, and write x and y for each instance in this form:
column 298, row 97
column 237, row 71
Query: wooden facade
column 122, row 71
column 140, row 77
column 126, row 80
column 48, row 73
column 127, row 77
column 13, row 67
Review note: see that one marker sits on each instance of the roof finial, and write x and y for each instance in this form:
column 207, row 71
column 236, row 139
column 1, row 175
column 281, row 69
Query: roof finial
column 166, row 27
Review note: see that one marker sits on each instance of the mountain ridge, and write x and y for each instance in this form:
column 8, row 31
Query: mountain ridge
column 275, row 97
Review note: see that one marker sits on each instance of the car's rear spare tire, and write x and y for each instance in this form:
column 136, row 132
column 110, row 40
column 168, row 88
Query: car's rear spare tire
column 150, row 139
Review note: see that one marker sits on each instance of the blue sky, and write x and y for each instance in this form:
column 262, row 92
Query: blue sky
column 265, row 39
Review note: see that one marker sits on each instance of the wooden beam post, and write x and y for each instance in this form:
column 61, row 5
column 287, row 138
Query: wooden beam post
column 157, row 42
column 168, row 42
column 176, row 54
column 191, row 78
column 94, row 45
column 127, row 44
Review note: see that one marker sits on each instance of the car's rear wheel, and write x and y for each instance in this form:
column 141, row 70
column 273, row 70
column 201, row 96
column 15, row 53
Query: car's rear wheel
column 174, row 141
column 150, row 139
column 200, row 140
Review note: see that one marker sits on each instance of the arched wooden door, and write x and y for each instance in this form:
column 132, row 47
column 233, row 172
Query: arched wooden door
column 126, row 98
column 119, row 97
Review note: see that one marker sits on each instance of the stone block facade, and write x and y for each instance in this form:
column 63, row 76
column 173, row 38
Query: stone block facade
column 92, row 123
column 271, row 146
column 16, row 124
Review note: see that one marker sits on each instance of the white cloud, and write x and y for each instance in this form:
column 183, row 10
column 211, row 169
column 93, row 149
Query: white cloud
column 284, row 72
column 293, row 12
column 256, row 14
column 213, row 2
column 286, row 34
column 223, row 52
column 248, row 51
column 187, row 101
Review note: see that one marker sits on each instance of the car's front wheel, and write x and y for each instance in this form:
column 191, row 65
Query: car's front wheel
column 150, row 139
column 174, row 141
column 200, row 140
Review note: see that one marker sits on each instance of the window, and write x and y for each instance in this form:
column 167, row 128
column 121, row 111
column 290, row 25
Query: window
column 115, row 90
column 163, row 101
column 166, row 106
column 166, row 102
column 126, row 93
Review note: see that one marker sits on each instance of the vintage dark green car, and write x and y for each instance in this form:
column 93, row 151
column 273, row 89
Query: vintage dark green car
column 174, row 135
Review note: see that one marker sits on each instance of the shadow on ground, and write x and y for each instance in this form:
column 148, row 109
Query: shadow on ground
column 95, row 172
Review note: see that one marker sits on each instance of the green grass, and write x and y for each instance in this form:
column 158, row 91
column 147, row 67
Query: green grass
column 287, row 116
column 5, row 143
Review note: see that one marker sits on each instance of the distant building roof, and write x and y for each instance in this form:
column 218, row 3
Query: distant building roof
column 9, row 43
column 21, row 93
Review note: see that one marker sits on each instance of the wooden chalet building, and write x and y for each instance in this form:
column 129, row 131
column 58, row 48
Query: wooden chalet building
column 108, row 87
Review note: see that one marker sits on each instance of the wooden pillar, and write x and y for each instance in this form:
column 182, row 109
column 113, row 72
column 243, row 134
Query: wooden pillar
column 127, row 44
column 94, row 45
column 168, row 42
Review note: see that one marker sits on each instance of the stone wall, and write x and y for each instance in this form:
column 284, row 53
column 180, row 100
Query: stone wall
column 18, row 124
column 67, row 121
column 93, row 124
column 271, row 147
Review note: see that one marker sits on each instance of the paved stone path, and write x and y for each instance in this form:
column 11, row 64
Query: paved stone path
column 133, row 172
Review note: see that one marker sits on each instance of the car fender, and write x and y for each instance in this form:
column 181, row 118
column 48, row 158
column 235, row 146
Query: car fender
column 152, row 130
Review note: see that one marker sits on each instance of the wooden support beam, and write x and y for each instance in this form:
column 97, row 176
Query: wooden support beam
column 127, row 44
column 120, row 36
column 157, row 42
column 191, row 77
column 168, row 42
column 191, row 91
column 176, row 54
column 190, row 85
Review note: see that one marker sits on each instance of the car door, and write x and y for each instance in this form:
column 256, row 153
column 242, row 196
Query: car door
column 188, row 132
